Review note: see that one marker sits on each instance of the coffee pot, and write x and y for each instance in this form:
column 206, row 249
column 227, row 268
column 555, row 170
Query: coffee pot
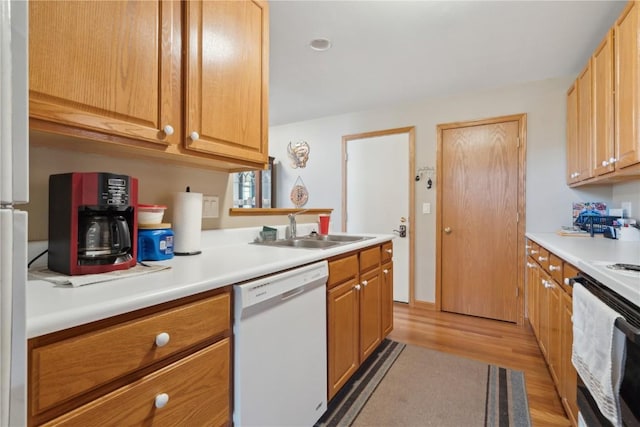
column 103, row 237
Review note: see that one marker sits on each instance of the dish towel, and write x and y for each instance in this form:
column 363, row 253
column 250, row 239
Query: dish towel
column 598, row 351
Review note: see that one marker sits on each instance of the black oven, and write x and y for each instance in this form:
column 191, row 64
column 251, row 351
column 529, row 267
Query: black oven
column 630, row 386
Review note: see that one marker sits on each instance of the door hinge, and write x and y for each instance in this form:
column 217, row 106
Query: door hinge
column 518, row 142
column 346, row 156
column 517, row 292
column 517, row 217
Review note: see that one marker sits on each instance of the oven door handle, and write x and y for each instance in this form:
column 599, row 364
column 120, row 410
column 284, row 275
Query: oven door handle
column 632, row 333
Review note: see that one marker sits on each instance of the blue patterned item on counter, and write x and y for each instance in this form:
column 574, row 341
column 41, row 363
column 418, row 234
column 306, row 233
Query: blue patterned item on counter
column 155, row 244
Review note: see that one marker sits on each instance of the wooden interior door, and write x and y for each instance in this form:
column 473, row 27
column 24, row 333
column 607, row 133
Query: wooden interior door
column 480, row 205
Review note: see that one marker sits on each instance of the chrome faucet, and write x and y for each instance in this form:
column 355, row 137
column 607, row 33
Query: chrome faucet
column 292, row 223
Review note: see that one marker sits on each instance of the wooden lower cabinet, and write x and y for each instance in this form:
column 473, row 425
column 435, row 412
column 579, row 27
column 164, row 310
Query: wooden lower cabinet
column 192, row 391
column 359, row 312
column 115, row 371
column 549, row 305
column 386, row 301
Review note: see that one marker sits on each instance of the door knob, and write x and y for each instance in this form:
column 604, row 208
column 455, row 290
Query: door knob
column 447, row 230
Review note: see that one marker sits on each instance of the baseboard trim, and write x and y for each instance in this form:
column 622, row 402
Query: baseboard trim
column 424, row 305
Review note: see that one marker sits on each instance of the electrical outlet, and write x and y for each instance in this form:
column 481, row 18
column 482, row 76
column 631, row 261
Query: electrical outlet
column 426, row 208
column 210, row 207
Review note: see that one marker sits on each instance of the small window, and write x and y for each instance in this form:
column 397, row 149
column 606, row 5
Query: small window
column 255, row 189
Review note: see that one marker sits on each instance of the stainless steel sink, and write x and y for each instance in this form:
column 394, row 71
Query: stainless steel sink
column 315, row 241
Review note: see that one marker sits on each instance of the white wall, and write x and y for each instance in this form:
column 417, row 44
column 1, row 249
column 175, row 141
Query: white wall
column 548, row 199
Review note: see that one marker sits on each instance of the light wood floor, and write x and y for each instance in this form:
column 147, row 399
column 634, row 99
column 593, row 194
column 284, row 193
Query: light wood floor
column 490, row 341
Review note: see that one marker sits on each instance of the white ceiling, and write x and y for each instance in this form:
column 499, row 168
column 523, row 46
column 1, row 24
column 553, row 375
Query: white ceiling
column 389, row 52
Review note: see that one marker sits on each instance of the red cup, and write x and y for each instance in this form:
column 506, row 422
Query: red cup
column 324, row 223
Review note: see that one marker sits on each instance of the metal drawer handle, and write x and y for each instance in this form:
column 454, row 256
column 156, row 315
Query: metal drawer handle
column 161, row 400
column 554, row 268
column 530, row 265
column 542, row 259
column 385, row 271
column 533, row 252
column 357, row 287
column 162, row 339
column 365, row 283
column 168, row 130
column 389, row 251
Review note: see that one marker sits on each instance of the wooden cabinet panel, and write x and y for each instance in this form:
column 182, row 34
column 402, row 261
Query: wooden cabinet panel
column 603, row 120
column 343, row 326
column 627, row 89
column 533, row 290
column 387, row 252
column 568, row 375
column 554, row 339
column 120, row 78
column 572, row 135
column 369, row 259
column 197, row 387
column 543, row 314
column 226, row 78
column 342, row 269
column 370, row 313
column 63, row 370
column 387, row 299
column 555, row 268
column 584, row 125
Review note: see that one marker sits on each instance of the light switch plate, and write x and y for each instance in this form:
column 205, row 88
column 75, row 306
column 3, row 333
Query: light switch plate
column 426, row 208
column 210, row 207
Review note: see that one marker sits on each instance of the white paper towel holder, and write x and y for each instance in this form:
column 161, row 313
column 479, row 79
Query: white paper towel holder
column 181, row 253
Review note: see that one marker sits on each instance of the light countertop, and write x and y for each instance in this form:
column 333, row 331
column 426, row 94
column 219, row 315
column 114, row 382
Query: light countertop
column 226, row 259
column 592, row 255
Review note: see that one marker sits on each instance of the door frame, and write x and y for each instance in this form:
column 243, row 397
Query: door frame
column 522, row 140
column 411, row 131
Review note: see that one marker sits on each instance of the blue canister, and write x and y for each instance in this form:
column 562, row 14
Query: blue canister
column 155, row 244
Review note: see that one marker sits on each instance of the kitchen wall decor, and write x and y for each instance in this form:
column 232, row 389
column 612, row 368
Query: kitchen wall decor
column 298, row 153
column 299, row 194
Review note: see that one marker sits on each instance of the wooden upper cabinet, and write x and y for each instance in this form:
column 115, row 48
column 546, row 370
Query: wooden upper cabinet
column 227, row 45
column 627, row 90
column 108, row 67
column 584, row 125
column 572, row 134
column 603, row 138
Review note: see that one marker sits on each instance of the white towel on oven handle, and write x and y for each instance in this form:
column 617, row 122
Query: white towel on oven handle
column 598, row 351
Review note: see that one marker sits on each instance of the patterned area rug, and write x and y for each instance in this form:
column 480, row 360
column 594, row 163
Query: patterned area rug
column 403, row 385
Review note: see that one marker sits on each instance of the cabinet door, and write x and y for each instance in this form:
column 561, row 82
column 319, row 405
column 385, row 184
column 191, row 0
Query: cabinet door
column 370, row 313
column 626, row 86
column 572, row 134
column 343, row 322
column 584, row 125
column 603, row 121
column 533, row 286
column 543, row 313
column 227, row 79
column 554, row 343
column 387, row 299
column 107, row 67
column 568, row 380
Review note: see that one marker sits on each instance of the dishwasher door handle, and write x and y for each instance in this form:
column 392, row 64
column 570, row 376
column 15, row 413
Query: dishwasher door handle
column 292, row 293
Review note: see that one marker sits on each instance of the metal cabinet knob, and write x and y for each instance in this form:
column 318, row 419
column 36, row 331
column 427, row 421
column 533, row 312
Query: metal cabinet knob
column 533, row 252
column 612, row 160
column 447, row 230
column 357, row 287
column 542, row 259
column 385, row 271
column 365, row 283
column 389, row 251
column 554, row 268
column 194, row 136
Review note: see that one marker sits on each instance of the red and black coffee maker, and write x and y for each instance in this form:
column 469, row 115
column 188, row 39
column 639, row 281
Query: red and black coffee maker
column 92, row 222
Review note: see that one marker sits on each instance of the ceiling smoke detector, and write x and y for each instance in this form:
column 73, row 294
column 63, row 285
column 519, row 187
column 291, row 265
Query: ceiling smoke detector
column 320, row 44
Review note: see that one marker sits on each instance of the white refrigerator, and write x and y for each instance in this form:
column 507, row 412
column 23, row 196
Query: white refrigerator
column 14, row 190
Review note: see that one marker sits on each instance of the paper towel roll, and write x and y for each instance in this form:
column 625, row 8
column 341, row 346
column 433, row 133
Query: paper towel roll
column 187, row 223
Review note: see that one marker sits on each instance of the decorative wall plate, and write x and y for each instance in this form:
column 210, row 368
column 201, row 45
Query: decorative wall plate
column 299, row 193
column 298, row 153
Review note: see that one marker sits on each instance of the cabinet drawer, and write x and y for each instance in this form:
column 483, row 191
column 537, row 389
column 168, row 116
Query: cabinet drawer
column 369, row 258
column 70, row 367
column 342, row 269
column 555, row 268
column 543, row 258
column 533, row 249
column 197, row 387
column 569, row 271
column 387, row 252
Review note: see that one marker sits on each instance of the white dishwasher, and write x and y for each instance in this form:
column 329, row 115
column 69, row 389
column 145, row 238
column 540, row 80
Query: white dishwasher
column 280, row 336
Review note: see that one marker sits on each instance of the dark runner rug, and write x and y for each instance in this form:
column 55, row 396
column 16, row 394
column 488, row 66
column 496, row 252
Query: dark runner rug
column 404, row 385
